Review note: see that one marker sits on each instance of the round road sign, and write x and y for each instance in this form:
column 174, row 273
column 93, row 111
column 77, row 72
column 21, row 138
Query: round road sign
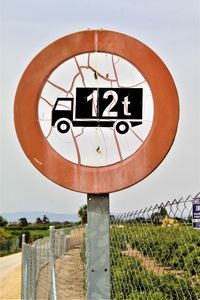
column 99, row 113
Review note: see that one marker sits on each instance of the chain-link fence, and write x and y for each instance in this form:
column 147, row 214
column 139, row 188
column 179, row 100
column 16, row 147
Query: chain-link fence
column 46, row 270
column 155, row 253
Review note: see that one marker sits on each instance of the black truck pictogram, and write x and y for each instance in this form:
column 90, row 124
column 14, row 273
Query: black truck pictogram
column 99, row 107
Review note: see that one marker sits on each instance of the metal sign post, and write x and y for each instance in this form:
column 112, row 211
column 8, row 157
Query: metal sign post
column 98, row 247
column 107, row 115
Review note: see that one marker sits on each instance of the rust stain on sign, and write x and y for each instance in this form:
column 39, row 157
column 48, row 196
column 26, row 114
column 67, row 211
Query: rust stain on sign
column 126, row 172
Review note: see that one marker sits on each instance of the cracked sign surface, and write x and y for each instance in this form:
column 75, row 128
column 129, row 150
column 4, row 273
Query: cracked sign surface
column 96, row 109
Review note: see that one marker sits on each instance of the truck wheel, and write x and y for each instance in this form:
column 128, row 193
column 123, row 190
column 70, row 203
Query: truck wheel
column 122, row 127
column 63, row 126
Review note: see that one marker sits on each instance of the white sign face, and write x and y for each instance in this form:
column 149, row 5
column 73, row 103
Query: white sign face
column 96, row 109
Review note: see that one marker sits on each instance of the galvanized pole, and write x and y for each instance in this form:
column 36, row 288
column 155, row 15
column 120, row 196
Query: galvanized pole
column 34, row 272
column 52, row 258
column 98, row 247
column 63, row 242
column 24, row 270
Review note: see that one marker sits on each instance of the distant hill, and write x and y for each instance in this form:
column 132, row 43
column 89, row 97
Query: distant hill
column 31, row 216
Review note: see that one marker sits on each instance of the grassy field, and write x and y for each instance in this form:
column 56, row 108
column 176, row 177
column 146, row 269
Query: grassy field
column 10, row 238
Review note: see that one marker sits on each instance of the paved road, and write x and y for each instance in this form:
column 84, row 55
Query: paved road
column 9, row 263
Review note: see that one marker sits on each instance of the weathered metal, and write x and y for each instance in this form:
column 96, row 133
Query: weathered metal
column 114, row 177
column 98, row 247
column 52, row 267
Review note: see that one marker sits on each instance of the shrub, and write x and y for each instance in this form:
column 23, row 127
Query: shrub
column 174, row 247
column 27, row 237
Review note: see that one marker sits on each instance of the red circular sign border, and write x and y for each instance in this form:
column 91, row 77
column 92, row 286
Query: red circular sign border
column 114, row 177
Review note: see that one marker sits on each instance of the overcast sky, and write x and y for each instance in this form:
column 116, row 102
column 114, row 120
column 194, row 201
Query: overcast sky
column 170, row 28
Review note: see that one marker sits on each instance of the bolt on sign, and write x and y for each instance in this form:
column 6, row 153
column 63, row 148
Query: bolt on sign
column 96, row 111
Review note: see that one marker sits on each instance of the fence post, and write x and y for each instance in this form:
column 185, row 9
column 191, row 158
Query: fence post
column 29, row 270
column 62, row 239
column 86, row 255
column 34, row 271
column 52, row 248
column 98, row 248
column 24, row 271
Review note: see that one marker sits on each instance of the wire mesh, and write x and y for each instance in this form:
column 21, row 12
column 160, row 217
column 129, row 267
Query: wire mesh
column 42, row 277
column 29, row 269
column 52, row 267
column 70, row 274
column 155, row 253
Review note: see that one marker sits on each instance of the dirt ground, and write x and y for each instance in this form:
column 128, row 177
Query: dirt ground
column 70, row 277
column 151, row 264
column 10, row 285
column 69, row 272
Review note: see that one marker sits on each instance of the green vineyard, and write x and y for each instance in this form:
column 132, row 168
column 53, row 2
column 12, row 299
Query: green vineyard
column 155, row 261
